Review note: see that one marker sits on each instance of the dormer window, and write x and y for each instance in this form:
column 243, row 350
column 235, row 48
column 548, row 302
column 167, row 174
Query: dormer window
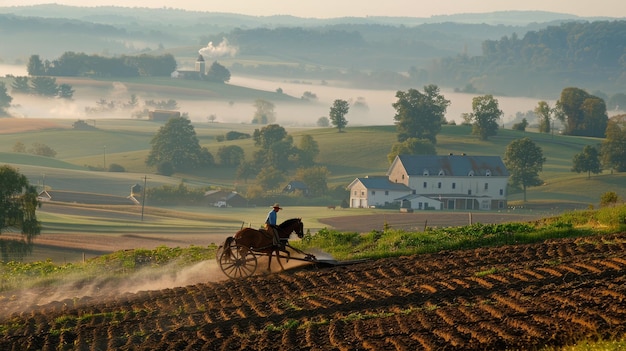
column 470, row 174
column 442, row 172
column 425, row 174
column 488, row 173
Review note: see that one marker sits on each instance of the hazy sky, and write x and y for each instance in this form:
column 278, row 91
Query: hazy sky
column 360, row 8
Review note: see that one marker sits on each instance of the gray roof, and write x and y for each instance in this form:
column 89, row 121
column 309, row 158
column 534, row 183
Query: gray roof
column 453, row 165
column 381, row 182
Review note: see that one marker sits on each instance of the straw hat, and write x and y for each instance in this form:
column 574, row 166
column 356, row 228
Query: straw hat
column 277, row 205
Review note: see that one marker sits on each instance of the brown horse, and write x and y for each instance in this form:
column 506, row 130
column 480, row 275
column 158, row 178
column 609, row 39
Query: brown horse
column 260, row 240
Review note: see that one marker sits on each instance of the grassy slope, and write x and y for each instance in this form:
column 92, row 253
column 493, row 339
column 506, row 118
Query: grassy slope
column 358, row 152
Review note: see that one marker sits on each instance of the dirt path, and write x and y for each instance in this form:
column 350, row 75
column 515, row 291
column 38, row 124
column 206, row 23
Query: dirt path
column 514, row 297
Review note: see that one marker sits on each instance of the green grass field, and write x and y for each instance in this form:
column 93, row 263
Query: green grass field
column 357, row 152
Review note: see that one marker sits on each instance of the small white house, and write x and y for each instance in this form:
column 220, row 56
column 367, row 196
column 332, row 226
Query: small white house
column 375, row 191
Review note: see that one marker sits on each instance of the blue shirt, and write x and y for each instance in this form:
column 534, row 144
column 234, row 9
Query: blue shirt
column 271, row 218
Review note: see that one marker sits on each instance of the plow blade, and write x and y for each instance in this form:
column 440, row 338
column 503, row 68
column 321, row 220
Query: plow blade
column 335, row 263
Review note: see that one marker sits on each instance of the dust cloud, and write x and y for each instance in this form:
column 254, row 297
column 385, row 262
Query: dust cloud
column 76, row 291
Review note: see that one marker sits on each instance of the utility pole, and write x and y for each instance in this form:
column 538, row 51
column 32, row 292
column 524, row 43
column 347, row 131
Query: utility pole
column 143, row 196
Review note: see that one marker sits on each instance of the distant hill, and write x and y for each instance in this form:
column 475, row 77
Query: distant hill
column 116, row 15
column 515, row 53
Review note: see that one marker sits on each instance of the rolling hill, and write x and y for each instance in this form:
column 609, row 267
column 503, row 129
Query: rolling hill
column 358, row 152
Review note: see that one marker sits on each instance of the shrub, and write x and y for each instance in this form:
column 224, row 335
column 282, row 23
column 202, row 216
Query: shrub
column 609, row 198
column 165, row 168
column 114, row 167
column 234, row 135
column 42, row 150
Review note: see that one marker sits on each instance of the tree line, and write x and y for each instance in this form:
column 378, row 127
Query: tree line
column 535, row 63
column 72, row 64
column 591, row 53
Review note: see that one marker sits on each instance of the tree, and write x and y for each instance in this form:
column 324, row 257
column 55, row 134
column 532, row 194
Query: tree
column 411, row 146
column 268, row 135
column 176, row 142
column 420, row 115
column 245, row 171
column 235, row 135
column 40, row 149
column 323, row 122
column 132, row 102
column 614, row 148
column 46, row 86
column 544, row 113
column 338, row 112
column 18, row 206
column 5, row 99
column 485, row 116
column 20, row 85
column 218, row 73
column 269, row 178
column 276, row 147
column 587, row 161
column 19, row 147
column 35, row 66
column 521, row 126
column 231, row 155
column 316, row 179
column 308, row 149
column 279, row 154
column 307, row 95
column 585, row 114
column 165, row 168
column 524, row 161
column 65, row 91
column 610, row 198
column 264, row 113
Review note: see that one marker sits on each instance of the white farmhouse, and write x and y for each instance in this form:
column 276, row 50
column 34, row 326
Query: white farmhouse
column 453, row 182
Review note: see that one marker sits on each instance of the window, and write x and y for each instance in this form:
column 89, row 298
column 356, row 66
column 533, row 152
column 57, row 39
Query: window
column 425, row 173
column 488, row 173
column 355, row 193
column 486, row 186
column 442, row 173
column 501, row 191
column 470, row 174
column 362, row 193
column 403, row 177
column 386, row 192
column 469, row 192
column 439, row 185
column 414, row 192
column 453, row 185
column 425, row 185
column 373, row 192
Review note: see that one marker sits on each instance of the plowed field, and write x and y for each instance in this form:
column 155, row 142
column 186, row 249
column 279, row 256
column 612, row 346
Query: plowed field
column 514, row 297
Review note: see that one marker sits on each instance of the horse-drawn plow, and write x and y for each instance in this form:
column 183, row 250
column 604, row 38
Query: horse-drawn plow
column 238, row 256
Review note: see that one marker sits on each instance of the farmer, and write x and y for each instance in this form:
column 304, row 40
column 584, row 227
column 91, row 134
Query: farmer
column 270, row 223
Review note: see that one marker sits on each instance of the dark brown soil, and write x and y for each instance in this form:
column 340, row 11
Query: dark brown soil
column 519, row 297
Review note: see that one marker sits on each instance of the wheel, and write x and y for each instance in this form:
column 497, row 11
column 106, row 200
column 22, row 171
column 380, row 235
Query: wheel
column 237, row 261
